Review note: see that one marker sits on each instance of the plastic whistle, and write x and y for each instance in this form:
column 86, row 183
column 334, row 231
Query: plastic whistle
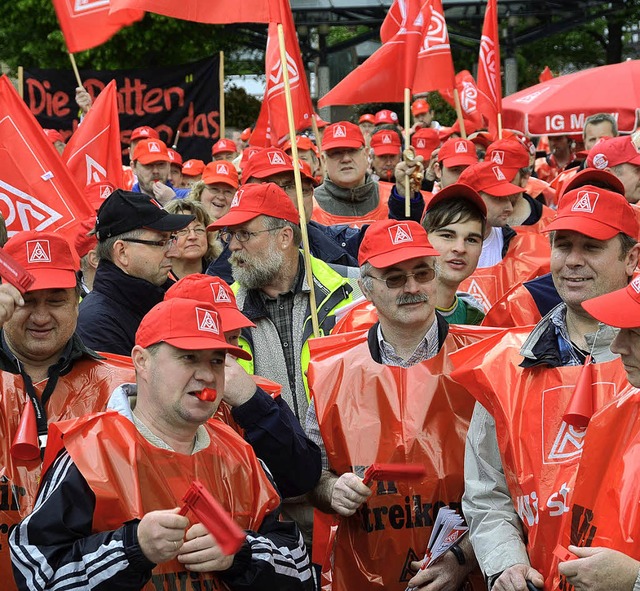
column 218, row 522
column 207, row 394
column 393, row 472
column 12, row 272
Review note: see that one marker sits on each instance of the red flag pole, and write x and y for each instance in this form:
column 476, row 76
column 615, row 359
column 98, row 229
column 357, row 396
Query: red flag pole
column 298, row 181
column 75, row 69
column 407, row 143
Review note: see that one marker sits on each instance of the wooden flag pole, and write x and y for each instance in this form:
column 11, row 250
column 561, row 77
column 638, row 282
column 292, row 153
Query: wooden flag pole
column 456, row 102
column 499, row 126
column 316, row 132
column 221, row 83
column 21, row 81
column 407, row 143
column 298, row 182
column 75, row 69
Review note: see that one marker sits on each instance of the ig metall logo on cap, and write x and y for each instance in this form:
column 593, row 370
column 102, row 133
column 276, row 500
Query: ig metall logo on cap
column 38, row 251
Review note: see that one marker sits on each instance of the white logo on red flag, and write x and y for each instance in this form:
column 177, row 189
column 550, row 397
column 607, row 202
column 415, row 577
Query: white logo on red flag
column 275, row 158
column 81, row 6
column 469, row 96
column 498, row 157
column 461, row 148
column 22, row 208
column 207, row 320
column 400, row 233
column 95, row 172
column 488, row 60
column 276, row 76
column 586, row 201
column 38, row 251
column 222, row 168
column 221, row 295
column 437, row 37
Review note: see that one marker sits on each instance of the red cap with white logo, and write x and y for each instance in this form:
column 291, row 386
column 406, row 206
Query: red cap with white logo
column 265, row 163
column 144, row 132
column 224, row 145
column 385, row 143
column 488, row 177
column 388, row 242
column 47, row 256
column 595, row 212
column 193, row 167
column 150, row 151
column 509, row 153
column 220, row 171
column 342, row 134
column 620, row 308
column 185, row 324
column 424, row 141
column 174, row 157
column 609, row 152
column 386, row 117
column 212, row 290
column 457, row 152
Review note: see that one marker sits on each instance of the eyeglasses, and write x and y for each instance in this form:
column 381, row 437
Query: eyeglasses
column 166, row 244
column 396, row 280
column 242, row 235
column 199, row 232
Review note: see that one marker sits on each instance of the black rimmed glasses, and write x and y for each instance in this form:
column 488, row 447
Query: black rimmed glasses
column 166, row 244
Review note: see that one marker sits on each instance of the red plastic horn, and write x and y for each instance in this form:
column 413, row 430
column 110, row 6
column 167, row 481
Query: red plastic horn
column 580, row 408
column 26, row 445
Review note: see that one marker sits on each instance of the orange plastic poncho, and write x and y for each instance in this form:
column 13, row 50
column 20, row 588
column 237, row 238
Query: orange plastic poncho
column 130, row 477
column 369, row 412
column 381, row 212
column 539, row 451
column 85, row 389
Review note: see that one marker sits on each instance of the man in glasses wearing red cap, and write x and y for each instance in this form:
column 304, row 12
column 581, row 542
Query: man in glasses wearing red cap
column 607, row 558
column 107, row 513
column 47, row 373
column 522, row 449
column 384, row 395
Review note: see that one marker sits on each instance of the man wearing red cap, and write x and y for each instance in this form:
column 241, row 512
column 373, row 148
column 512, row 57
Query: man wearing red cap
column 175, row 170
column 365, row 388
column 367, row 124
column 308, row 152
column 224, row 149
column 422, row 115
column 94, row 530
column 217, row 187
column 386, row 148
column 608, row 560
column 192, row 171
column 136, row 242
column 520, row 462
column 152, row 167
column 47, row 372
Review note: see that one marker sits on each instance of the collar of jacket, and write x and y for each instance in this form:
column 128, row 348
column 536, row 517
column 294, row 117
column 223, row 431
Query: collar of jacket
column 326, row 248
column 133, row 293
column 350, row 195
column 374, row 345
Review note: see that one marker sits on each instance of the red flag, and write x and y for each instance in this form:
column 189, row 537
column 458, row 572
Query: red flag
column 37, row 192
column 202, row 11
column 93, row 153
column 379, row 79
column 434, row 69
column 489, row 80
column 545, row 75
column 87, row 23
column 468, row 93
column 261, row 134
column 274, row 94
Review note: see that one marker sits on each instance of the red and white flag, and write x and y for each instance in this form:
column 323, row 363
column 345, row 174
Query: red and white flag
column 468, row 93
column 489, row 76
column 202, row 11
column 87, row 23
column 434, row 69
column 93, row 154
column 37, row 191
column 274, row 93
column 546, row 74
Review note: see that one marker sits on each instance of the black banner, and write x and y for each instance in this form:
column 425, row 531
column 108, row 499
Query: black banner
column 169, row 99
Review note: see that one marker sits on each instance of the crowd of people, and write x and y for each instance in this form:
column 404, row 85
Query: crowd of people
column 189, row 334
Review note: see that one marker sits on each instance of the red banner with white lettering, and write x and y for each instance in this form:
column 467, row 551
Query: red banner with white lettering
column 93, row 152
column 37, row 192
column 87, row 23
column 468, row 93
column 489, row 80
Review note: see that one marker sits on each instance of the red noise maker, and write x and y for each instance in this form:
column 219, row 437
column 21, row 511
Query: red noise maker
column 26, row 445
column 208, row 394
column 218, row 522
column 393, row 472
column 580, row 408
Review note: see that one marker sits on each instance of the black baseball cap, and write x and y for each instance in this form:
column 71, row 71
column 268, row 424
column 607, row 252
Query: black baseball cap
column 124, row 211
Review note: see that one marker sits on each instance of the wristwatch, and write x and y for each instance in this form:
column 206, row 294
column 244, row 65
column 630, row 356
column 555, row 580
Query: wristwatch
column 458, row 553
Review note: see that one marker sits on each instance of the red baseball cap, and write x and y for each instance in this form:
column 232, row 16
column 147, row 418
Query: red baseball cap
column 211, row 290
column 303, row 142
column 613, row 151
column 458, row 191
column 224, row 145
column 419, row 106
column 425, row 140
column 193, row 167
column 54, row 135
column 620, row 308
column 457, row 152
column 144, row 132
column 254, row 199
column 386, row 116
column 385, row 142
column 220, row 171
column 367, row 118
column 594, row 212
column 47, row 256
column 247, row 154
column 387, row 242
column 266, row 163
column 185, row 324
column 246, row 134
column 149, row 151
column 489, row 178
column 84, row 242
column 509, row 153
column 174, row 157
column 342, row 134
column 598, row 178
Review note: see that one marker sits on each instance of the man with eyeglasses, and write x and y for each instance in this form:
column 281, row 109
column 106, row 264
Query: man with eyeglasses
column 384, row 395
column 136, row 242
column 273, row 165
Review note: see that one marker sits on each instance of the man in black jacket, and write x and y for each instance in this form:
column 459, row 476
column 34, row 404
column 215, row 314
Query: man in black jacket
column 135, row 247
